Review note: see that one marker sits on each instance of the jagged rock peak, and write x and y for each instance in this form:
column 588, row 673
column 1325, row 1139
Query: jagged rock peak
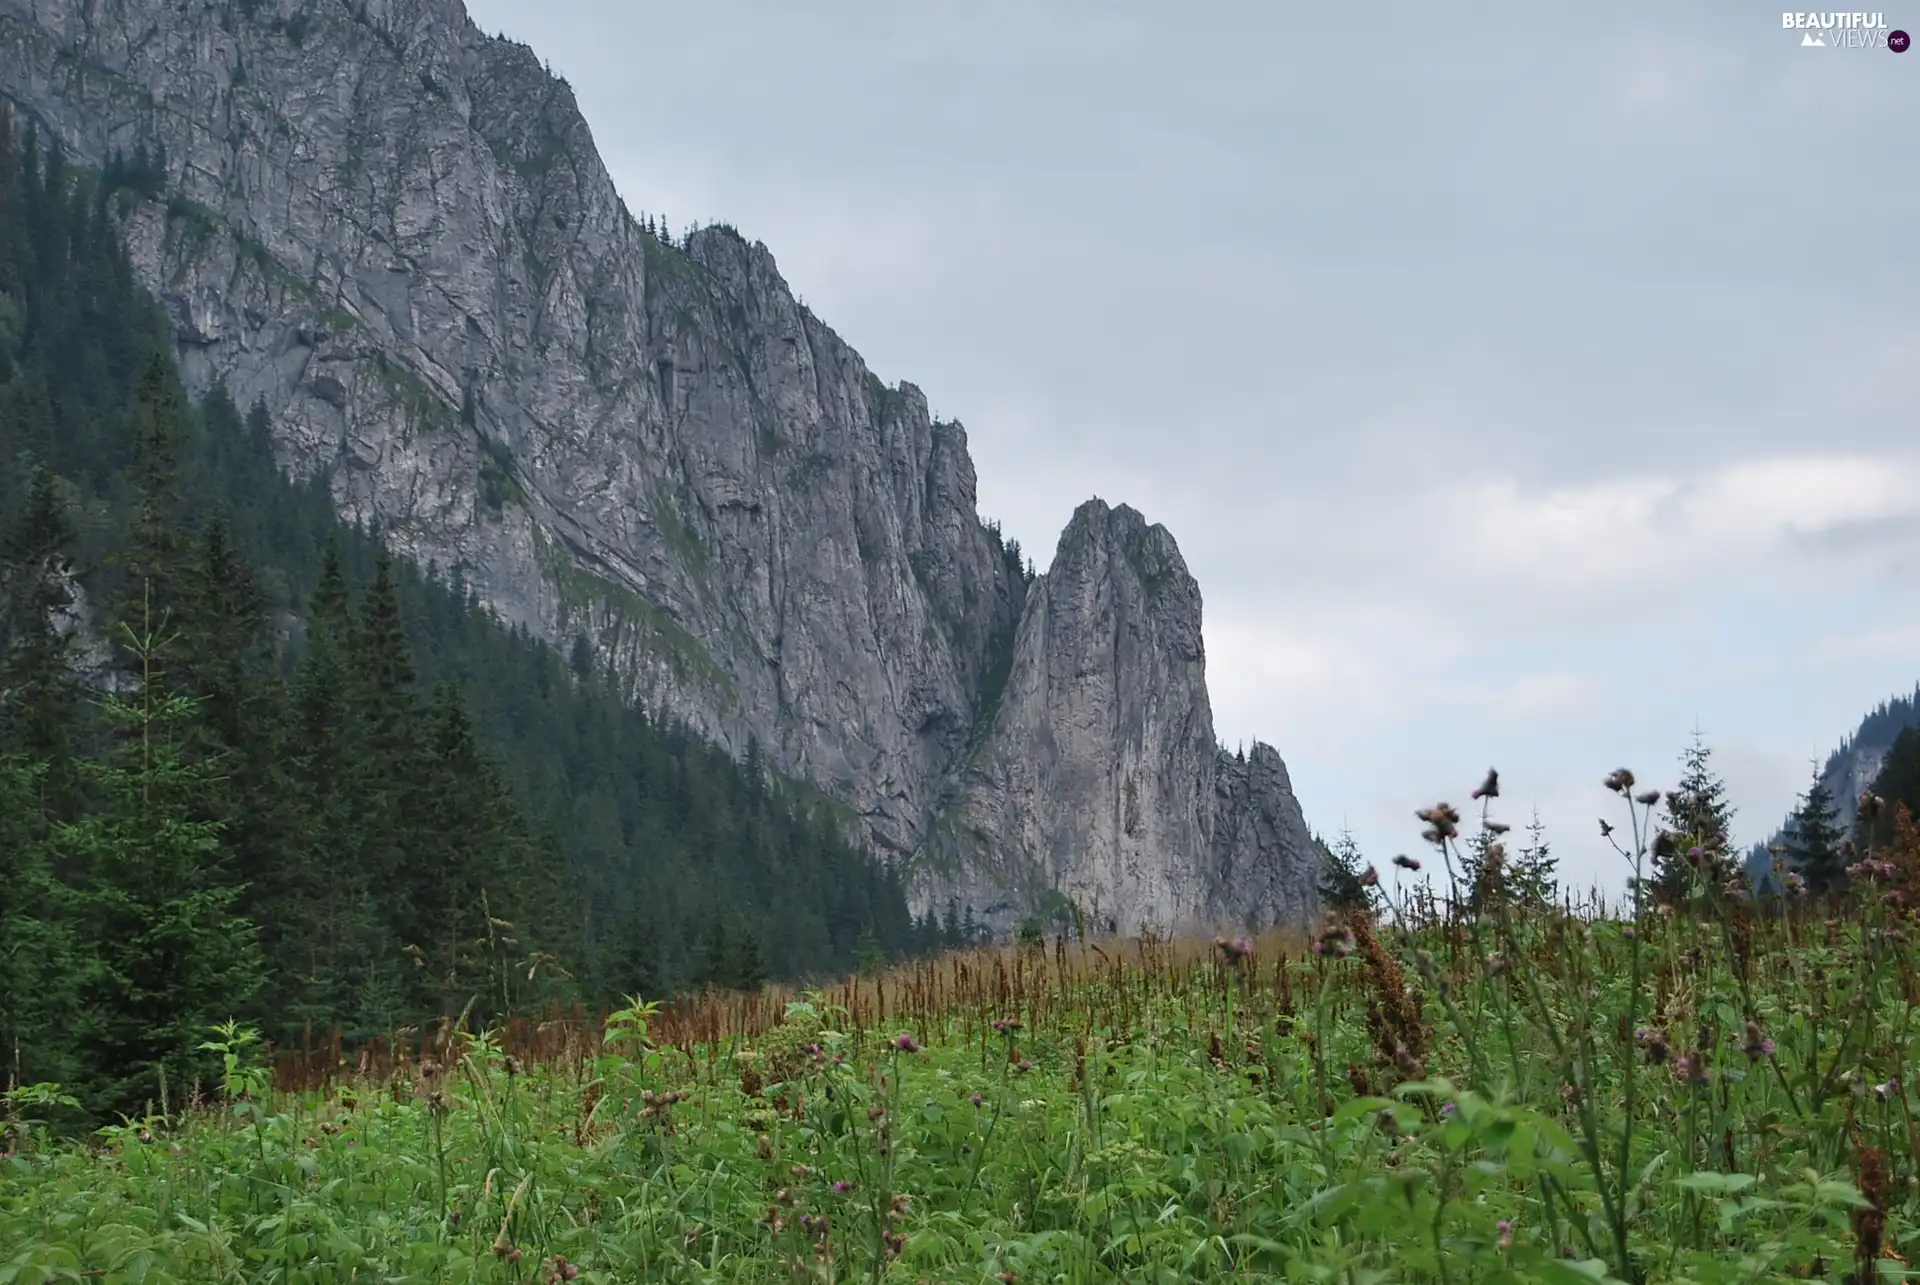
column 395, row 232
column 1101, row 769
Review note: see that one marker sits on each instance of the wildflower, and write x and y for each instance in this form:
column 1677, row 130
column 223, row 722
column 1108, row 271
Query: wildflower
column 1606, row 829
column 1654, row 1041
column 976, row 1099
column 1023, row 1066
column 1757, row 1044
column 1619, row 780
column 1505, row 1228
column 1447, row 1110
column 1006, row 1025
column 1647, row 797
column 1443, row 822
column 764, row 1146
column 1234, row 951
column 1695, row 855
column 1406, row 862
column 1888, row 1091
column 1371, row 879
column 1498, row 827
column 1691, row 1068
column 1497, row 964
column 1870, row 805
column 1489, row 788
column 1335, row 940
column 842, row 1187
column 906, row 1044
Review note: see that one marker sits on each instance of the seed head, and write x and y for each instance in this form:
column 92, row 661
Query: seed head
column 1619, row 780
column 1489, row 788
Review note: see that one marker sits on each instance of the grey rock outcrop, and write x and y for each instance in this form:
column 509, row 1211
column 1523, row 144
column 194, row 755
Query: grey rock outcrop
column 395, row 232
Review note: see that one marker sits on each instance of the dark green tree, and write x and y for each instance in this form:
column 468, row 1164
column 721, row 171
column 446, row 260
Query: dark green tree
column 171, row 953
column 1897, row 783
column 1814, row 840
column 1342, row 874
column 1533, row 875
column 1699, row 856
column 39, row 696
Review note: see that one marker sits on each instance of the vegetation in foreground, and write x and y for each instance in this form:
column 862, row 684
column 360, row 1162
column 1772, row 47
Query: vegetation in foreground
column 1708, row 1089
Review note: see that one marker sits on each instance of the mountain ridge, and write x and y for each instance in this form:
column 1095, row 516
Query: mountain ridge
column 394, row 231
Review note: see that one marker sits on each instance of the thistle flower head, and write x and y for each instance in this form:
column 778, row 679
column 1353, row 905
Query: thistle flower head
column 1489, row 788
column 1620, row 780
column 1406, row 862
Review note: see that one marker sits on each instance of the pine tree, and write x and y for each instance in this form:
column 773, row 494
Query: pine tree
column 1699, row 818
column 1814, row 840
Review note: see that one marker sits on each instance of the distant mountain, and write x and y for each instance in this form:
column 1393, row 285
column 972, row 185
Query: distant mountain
column 1849, row 773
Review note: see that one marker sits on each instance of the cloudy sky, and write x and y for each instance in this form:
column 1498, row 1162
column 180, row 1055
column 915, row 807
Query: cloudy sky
column 1522, row 389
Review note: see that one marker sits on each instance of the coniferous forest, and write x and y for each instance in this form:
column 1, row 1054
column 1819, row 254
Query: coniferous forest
column 252, row 767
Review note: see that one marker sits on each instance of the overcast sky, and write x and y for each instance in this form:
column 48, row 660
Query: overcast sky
column 1521, row 388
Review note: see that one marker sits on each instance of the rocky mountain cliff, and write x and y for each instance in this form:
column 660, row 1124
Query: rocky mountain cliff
column 395, row 232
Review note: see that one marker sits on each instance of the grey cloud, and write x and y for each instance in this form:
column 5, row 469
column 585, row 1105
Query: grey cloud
column 1287, row 278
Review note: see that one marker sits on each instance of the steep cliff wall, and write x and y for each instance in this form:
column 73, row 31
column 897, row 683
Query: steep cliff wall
column 395, row 232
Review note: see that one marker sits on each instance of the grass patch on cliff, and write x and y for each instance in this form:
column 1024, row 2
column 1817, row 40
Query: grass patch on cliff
column 584, row 593
column 418, row 403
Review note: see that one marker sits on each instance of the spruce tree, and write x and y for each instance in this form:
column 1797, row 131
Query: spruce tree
column 39, row 696
column 154, row 552
column 41, row 960
column 1814, row 840
column 171, row 953
column 1699, row 856
column 1341, row 871
column 1897, row 784
column 1534, row 872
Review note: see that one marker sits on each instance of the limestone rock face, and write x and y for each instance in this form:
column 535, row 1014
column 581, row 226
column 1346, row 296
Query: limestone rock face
column 1103, row 744
column 395, row 231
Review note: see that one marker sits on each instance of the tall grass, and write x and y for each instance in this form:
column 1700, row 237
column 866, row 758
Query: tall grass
column 1713, row 1091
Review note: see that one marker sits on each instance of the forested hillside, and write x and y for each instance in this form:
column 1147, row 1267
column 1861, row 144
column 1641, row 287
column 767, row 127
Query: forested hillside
column 250, row 767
